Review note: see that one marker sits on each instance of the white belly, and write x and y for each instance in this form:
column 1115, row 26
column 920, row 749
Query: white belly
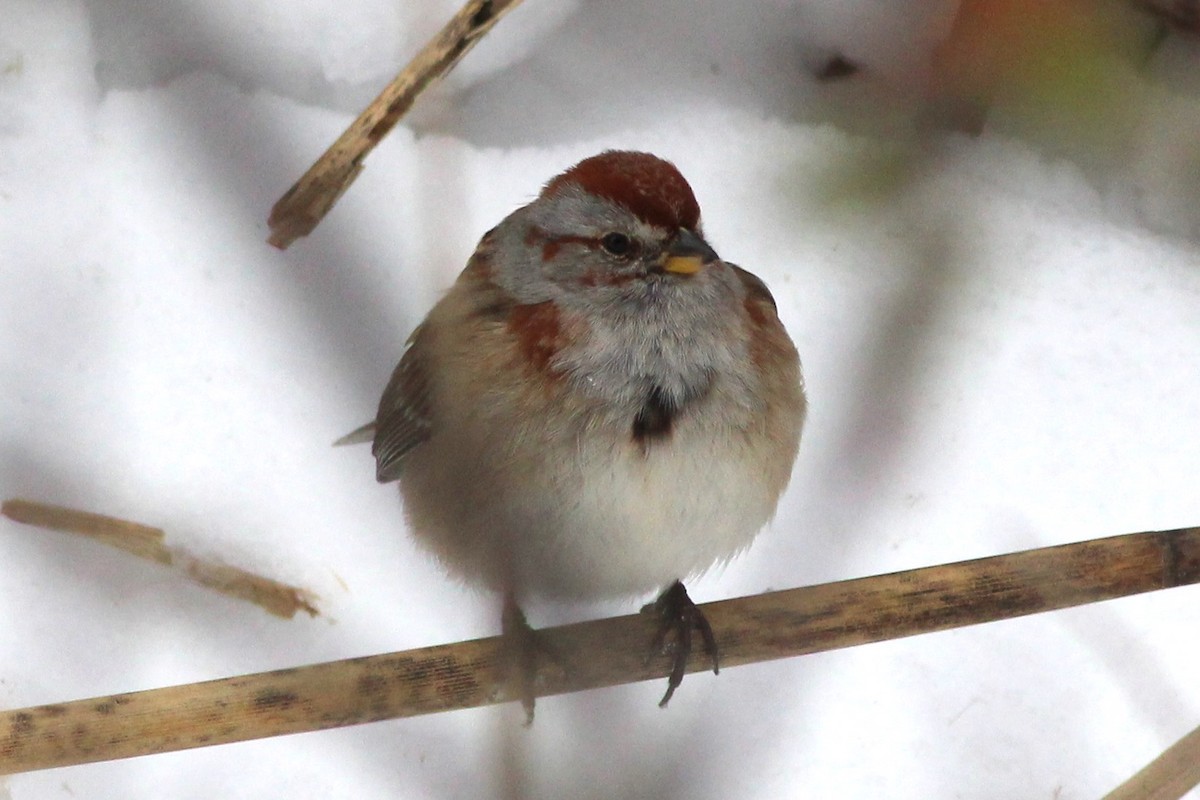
column 585, row 522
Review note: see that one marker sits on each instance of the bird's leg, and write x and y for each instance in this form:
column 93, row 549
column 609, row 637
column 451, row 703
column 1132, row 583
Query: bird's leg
column 523, row 650
column 677, row 614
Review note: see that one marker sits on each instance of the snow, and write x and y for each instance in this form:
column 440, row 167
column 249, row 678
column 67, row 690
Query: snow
column 1000, row 337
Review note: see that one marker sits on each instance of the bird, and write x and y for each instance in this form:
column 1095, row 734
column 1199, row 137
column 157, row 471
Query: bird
column 600, row 407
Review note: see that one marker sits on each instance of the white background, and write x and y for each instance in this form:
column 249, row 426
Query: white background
column 1001, row 338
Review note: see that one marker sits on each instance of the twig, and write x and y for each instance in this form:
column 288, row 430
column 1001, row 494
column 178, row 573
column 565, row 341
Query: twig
column 1168, row 777
column 594, row 654
column 146, row 542
column 309, row 200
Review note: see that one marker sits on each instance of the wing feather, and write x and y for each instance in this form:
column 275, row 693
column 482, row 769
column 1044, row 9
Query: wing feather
column 402, row 421
column 755, row 288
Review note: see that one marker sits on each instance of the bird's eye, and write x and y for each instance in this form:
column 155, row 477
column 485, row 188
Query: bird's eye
column 617, row 243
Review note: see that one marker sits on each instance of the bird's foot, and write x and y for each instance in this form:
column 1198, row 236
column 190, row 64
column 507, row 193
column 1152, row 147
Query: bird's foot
column 679, row 616
column 524, row 650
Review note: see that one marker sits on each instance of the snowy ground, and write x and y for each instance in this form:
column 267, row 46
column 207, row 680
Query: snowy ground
column 1001, row 342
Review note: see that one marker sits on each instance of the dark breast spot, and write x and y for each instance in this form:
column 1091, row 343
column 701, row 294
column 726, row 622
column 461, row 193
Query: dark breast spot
column 653, row 421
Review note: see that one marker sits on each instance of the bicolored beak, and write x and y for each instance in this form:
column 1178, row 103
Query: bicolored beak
column 687, row 254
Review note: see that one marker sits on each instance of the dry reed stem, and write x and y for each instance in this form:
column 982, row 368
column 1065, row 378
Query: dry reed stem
column 1168, row 777
column 593, row 654
column 309, row 200
column 146, row 542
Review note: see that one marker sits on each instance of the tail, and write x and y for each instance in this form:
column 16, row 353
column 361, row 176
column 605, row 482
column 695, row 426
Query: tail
column 358, row 436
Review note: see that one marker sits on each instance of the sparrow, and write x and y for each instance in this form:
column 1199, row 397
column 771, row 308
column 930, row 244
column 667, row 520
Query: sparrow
column 600, row 407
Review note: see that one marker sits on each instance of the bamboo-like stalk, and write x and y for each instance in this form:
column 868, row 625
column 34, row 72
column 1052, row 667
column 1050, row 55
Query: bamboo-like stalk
column 299, row 210
column 149, row 543
column 594, row 654
column 1168, row 777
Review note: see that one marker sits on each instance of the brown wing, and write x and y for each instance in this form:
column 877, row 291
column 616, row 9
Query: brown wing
column 755, row 288
column 402, row 421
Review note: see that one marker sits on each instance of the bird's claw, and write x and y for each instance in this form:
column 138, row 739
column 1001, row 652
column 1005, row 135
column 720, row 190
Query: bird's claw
column 677, row 614
column 524, row 650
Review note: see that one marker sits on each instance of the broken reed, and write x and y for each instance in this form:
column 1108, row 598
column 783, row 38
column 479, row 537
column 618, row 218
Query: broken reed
column 594, row 654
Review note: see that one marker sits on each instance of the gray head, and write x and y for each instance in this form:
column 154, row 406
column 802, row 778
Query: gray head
column 614, row 245
column 619, row 227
